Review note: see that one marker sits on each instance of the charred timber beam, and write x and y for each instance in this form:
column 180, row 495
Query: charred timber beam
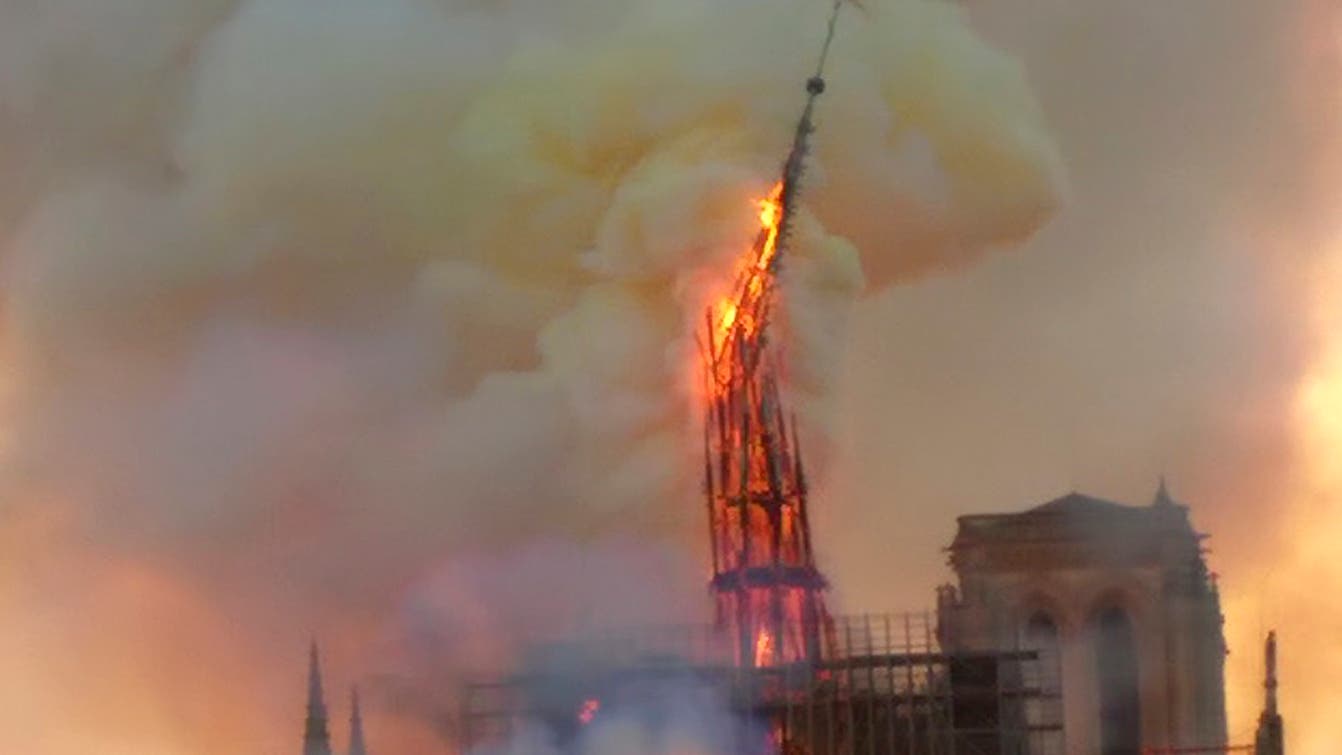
column 803, row 577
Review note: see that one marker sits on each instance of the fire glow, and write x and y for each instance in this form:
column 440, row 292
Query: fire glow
column 764, row 648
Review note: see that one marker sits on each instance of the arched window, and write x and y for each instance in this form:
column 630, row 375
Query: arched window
column 1040, row 634
column 1117, row 675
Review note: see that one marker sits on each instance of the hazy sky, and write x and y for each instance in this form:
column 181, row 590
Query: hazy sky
column 1164, row 322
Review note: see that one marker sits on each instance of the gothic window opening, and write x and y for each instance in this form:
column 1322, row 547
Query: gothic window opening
column 1040, row 635
column 1119, row 693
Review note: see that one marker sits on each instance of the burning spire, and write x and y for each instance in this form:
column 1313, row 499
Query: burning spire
column 768, row 591
column 316, row 737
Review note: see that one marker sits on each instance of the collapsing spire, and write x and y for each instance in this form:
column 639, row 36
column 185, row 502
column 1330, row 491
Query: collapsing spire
column 316, row 737
column 795, row 164
column 768, row 591
column 356, row 744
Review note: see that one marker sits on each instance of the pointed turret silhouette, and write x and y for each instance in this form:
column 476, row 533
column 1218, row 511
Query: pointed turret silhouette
column 1162, row 497
column 316, row 736
column 1270, row 738
column 356, row 744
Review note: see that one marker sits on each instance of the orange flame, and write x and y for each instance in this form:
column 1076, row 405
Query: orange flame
column 751, row 280
column 764, row 648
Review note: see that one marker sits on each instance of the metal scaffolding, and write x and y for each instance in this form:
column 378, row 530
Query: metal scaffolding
column 888, row 689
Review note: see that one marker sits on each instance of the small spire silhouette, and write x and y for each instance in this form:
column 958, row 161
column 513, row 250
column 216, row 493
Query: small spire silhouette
column 1270, row 739
column 1162, row 495
column 356, row 743
column 316, row 737
column 1270, row 675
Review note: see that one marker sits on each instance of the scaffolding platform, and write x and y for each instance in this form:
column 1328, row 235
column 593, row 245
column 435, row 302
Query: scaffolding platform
column 886, row 688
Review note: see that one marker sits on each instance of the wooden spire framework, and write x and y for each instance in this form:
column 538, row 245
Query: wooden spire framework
column 768, row 593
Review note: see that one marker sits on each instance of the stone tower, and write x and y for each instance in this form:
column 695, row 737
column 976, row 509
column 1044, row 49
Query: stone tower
column 1118, row 597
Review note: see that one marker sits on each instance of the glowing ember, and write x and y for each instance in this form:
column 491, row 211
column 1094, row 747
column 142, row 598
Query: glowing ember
column 588, row 710
column 764, row 648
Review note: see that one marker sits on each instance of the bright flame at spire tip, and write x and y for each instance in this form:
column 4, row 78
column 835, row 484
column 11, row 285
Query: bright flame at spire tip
column 751, row 283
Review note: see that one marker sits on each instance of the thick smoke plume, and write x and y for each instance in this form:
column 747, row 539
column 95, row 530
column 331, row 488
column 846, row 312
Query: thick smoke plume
column 311, row 303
